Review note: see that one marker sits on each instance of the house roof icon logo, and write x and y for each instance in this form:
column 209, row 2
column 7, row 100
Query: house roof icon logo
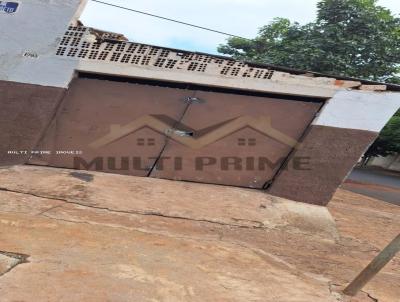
column 209, row 135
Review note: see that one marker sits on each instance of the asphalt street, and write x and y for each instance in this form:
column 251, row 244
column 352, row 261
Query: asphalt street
column 379, row 184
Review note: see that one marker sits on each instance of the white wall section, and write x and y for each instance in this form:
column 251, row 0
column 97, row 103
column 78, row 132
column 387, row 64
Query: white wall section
column 359, row 110
column 30, row 37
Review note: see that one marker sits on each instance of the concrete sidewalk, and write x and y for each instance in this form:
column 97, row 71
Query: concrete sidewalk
column 78, row 236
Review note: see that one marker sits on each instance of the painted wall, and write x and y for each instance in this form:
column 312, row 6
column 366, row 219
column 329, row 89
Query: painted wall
column 346, row 126
column 25, row 112
column 360, row 110
column 29, row 39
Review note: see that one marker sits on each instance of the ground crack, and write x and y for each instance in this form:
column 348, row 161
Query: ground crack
column 135, row 212
column 369, row 296
column 334, row 288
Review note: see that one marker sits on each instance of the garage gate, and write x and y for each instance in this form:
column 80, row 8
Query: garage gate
column 174, row 133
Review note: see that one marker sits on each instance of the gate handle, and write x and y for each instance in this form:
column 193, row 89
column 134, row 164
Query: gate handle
column 190, row 99
column 172, row 131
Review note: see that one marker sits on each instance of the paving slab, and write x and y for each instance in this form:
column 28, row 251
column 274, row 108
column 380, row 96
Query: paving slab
column 106, row 237
column 176, row 199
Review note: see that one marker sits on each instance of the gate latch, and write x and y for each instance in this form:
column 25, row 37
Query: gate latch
column 172, row 131
column 190, row 99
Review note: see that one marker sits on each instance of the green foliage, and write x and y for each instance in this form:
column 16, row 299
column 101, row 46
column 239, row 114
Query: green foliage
column 388, row 141
column 354, row 38
column 349, row 37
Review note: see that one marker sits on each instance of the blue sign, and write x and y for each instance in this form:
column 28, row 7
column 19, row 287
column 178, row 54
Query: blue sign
column 8, row 7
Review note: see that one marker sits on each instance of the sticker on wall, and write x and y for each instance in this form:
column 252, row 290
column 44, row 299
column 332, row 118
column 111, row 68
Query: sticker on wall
column 8, row 7
column 30, row 54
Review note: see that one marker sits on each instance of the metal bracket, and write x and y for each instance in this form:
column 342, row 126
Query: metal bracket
column 190, row 99
column 172, row 131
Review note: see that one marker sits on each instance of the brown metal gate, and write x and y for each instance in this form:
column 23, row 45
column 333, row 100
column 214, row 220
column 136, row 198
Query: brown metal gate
column 144, row 130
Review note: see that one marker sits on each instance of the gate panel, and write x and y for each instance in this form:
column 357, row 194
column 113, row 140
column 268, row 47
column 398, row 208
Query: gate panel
column 115, row 125
column 234, row 139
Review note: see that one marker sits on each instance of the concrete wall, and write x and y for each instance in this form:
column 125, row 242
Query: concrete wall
column 344, row 129
column 32, row 78
column 360, row 110
column 29, row 39
column 25, row 112
column 129, row 59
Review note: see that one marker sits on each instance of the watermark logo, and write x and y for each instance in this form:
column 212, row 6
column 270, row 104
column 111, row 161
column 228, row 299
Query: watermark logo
column 195, row 139
column 8, row 7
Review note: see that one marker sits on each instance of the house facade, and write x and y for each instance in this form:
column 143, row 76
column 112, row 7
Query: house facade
column 83, row 98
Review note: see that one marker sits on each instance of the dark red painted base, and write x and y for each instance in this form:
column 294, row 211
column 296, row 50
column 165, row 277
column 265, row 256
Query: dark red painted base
column 25, row 112
column 327, row 155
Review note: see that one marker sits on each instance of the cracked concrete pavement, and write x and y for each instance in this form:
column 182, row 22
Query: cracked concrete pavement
column 100, row 237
